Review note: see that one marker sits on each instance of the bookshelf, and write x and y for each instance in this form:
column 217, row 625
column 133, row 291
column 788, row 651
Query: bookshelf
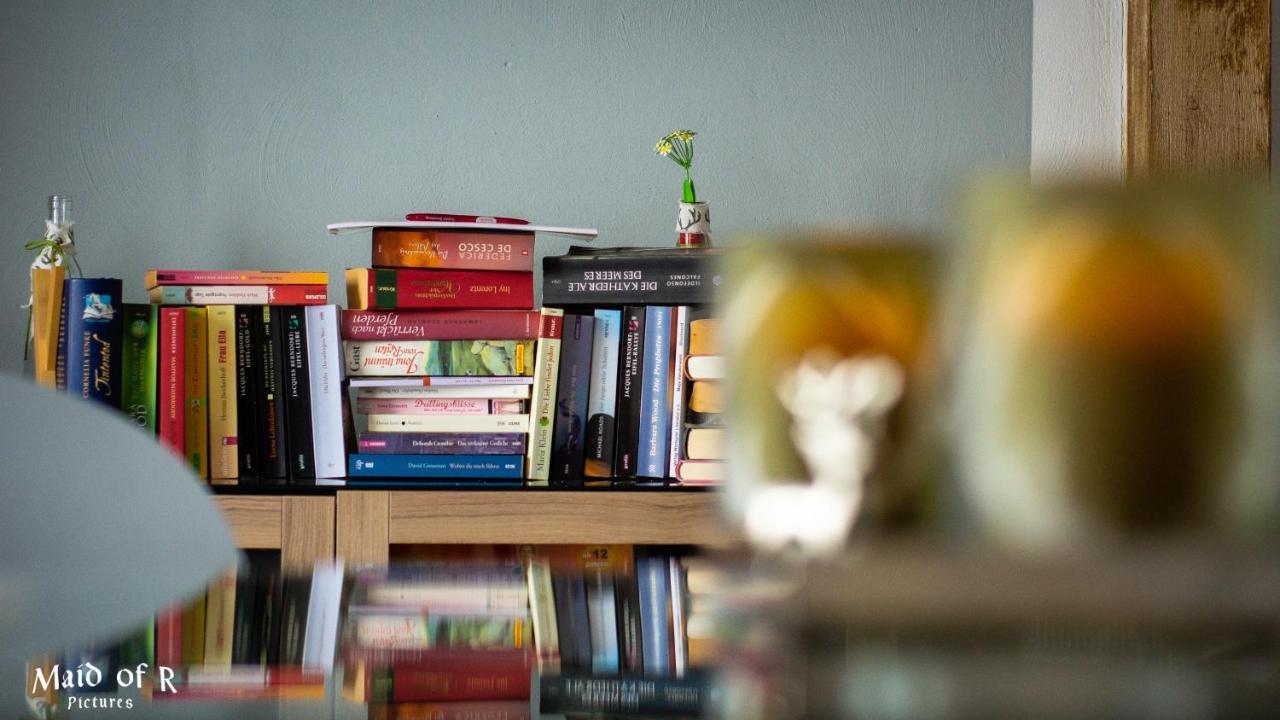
column 301, row 527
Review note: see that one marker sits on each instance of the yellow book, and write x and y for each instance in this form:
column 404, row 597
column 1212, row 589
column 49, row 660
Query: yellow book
column 704, row 336
column 706, row 444
column 224, row 455
column 193, row 632
column 706, row 396
column 220, row 616
column 197, row 420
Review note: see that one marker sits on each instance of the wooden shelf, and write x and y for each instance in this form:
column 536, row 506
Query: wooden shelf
column 301, row 527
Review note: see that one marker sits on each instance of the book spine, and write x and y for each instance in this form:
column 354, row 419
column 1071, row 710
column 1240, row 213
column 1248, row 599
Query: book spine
column 244, row 618
column 273, row 616
column 451, row 598
column 324, row 362
column 575, row 654
column 169, row 637
column 630, row 633
column 568, row 450
column 60, row 362
column 395, row 629
column 602, row 607
column 679, row 625
column 675, row 441
column 197, row 391
column 224, row 445
column 320, row 639
column 448, row 423
column 439, row 324
column 630, row 365
column 542, row 610
column 388, row 289
column 423, row 406
column 233, row 277
column 239, row 294
column 475, row 710
column 685, row 278
column 452, row 250
column 220, row 620
column 193, row 631
column 138, row 384
column 631, row 696
column 655, row 608
column 655, row 397
column 95, row 325
column 293, row 619
column 436, row 466
column 430, row 392
column 415, row 683
column 246, row 395
column 542, row 408
column 268, row 340
column 465, row 381
column 602, row 398
column 444, row 358
column 442, row 443
column 173, row 413
column 297, row 391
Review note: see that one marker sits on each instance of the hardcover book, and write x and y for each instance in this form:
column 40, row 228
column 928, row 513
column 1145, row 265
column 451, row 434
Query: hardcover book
column 197, row 391
column 572, row 620
column 452, row 249
column 247, row 394
column 399, row 443
column 462, row 678
column 445, row 392
column 387, row 289
column 622, row 276
column 603, row 395
column 542, row 408
column 324, row 362
column 652, row 575
column 140, row 357
column 436, row 406
column 655, row 396
column 224, row 444
column 268, row 339
column 297, row 394
column 630, row 366
column 439, row 324
column 588, row 695
column 193, row 631
column 436, row 466
column 680, row 337
column 497, row 358
column 94, row 327
column 239, row 294
column 233, row 277
column 172, row 412
column 603, row 613
column 220, row 612
column 448, row 423
column 569, row 428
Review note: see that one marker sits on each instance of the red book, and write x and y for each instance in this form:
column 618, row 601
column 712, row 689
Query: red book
column 388, row 289
column 169, row 637
column 171, row 412
column 480, row 710
column 452, row 249
column 439, row 676
column 440, row 324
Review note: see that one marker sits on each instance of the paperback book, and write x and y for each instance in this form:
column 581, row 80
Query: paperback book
column 496, row 358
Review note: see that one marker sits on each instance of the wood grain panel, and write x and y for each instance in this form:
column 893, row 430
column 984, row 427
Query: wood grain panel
column 306, row 532
column 650, row 518
column 362, row 535
column 254, row 520
column 1198, row 86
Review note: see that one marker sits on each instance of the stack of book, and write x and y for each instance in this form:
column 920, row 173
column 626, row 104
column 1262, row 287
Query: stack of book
column 255, row 633
column 248, row 384
column 611, row 629
column 636, row 391
column 440, row 640
column 442, row 345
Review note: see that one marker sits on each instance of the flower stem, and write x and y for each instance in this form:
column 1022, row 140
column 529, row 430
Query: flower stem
column 690, row 195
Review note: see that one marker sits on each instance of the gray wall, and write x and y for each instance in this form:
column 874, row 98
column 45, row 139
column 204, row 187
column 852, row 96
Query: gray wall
column 227, row 134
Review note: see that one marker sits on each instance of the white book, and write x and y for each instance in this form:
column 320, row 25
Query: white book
column 489, row 226
column 422, row 382
column 706, row 367
column 320, row 639
column 324, row 353
column 602, row 623
column 679, row 632
column 480, row 392
column 546, row 373
column 449, row 423
column 675, row 445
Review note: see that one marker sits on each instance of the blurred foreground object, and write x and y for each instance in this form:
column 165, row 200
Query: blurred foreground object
column 830, row 340
column 1117, row 361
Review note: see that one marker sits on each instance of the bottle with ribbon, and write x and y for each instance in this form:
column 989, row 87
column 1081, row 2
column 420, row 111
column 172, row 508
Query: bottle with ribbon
column 48, row 270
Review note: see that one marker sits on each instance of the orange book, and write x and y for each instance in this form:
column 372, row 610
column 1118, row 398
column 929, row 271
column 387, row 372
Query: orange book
column 155, row 278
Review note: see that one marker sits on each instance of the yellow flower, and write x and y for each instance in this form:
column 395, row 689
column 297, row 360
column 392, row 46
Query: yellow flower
column 663, row 148
column 683, row 135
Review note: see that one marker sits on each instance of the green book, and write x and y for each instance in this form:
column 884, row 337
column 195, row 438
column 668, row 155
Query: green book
column 138, row 374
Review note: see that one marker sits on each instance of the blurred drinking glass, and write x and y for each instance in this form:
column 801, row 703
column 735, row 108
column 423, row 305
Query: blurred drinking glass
column 1116, row 361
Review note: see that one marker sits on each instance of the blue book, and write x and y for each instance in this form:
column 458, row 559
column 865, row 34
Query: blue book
column 655, row 393
column 568, row 439
column 361, row 465
column 652, row 575
column 94, row 323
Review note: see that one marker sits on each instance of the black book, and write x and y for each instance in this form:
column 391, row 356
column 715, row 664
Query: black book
column 631, row 276
column 626, row 447
column 575, row 694
column 297, row 393
column 246, row 395
column 572, row 622
column 247, row 627
column 626, row 593
column 273, row 596
column 293, row 618
column 568, row 440
column 269, row 341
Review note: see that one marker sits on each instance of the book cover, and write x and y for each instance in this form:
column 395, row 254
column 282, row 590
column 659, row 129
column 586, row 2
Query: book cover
column 433, row 392
column 388, row 289
column 452, row 249
column 95, row 325
column 447, row 423
column 324, row 362
column 140, row 358
column 546, row 373
column 679, row 394
column 439, row 324
column 239, row 294
column 568, row 436
column 603, row 395
column 193, row 631
column 655, row 611
column 297, row 396
column 268, row 339
column 224, row 443
column 630, row 381
column 220, row 611
column 401, row 443
column 172, row 412
column 197, row 391
column 246, row 395
column 436, row 466
column 581, row 694
column 434, row 406
column 233, row 277
column 631, row 276
column 495, row 358
column 655, row 395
